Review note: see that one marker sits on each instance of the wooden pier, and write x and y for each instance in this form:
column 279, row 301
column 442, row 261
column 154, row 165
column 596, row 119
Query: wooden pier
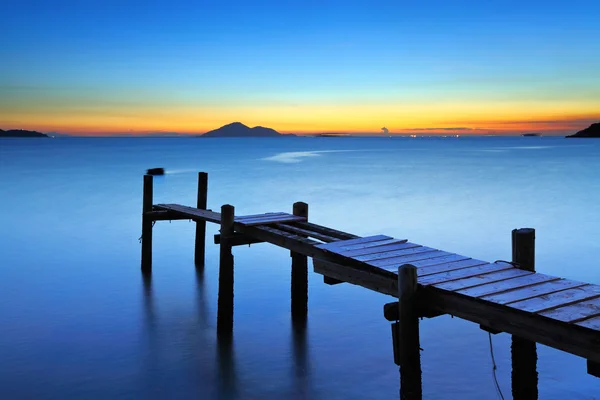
column 502, row 296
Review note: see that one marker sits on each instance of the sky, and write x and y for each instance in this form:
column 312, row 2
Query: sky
column 426, row 67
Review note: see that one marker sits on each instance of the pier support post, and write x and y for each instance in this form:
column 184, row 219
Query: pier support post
column 147, row 224
column 201, row 203
column 407, row 335
column 299, row 273
column 225, row 302
column 524, row 352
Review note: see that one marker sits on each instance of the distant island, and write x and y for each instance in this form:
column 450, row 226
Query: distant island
column 532, row 134
column 21, row 133
column 237, row 129
column 592, row 131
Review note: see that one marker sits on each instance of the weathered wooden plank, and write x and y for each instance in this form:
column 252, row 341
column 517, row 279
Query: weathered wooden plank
column 269, row 214
column 448, row 266
column 533, row 291
column 325, row 230
column 164, row 215
column 358, row 277
column 191, row 212
column 304, row 246
column 567, row 337
column 482, row 279
column 306, row 232
column 591, row 323
column 405, row 249
column 462, row 273
column 507, row 285
column 557, row 299
column 575, row 312
column 397, row 261
column 344, row 248
column 237, row 240
column 372, row 250
column 366, row 239
column 593, row 368
column 441, row 260
column 270, row 220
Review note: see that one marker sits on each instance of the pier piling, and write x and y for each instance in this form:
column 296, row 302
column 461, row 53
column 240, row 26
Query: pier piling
column 407, row 336
column 147, row 224
column 523, row 351
column 299, row 285
column 225, row 301
column 199, row 250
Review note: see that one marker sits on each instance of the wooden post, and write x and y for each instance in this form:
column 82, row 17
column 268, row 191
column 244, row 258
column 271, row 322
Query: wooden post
column 299, row 273
column 225, row 302
column 201, row 203
column 524, row 352
column 408, row 334
column 147, row 224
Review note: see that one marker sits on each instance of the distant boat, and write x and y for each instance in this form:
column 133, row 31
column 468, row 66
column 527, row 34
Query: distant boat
column 532, row 134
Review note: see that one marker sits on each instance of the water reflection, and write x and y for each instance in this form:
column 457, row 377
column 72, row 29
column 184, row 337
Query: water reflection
column 301, row 359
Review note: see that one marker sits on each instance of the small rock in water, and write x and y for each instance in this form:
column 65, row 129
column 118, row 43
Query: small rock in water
column 156, row 171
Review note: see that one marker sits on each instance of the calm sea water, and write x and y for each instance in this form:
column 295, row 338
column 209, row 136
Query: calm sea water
column 79, row 322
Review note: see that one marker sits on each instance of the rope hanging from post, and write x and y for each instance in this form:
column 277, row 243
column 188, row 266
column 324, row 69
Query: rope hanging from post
column 494, row 367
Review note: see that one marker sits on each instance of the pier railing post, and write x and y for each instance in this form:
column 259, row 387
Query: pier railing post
column 199, row 250
column 524, row 352
column 408, row 345
column 299, row 284
column 147, row 224
column 225, row 301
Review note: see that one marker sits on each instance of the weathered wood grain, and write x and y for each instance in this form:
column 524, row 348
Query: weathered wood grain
column 448, row 266
column 479, row 280
column 575, row 312
column 366, row 239
column 507, row 285
column 462, row 273
column 554, row 285
column 306, row 232
column 191, row 212
column 397, row 261
column 591, row 323
column 325, row 230
column 557, row 299
column 406, row 249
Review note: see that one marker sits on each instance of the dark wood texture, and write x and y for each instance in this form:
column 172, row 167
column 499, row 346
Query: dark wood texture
column 408, row 335
column 201, row 203
column 299, row 280
column 225, row 300
column 147, row 224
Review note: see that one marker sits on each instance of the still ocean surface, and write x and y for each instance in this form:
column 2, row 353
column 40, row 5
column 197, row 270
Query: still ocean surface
column 78, row 322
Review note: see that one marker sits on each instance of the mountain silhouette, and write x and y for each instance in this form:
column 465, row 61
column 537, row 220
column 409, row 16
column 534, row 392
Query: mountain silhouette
column 21, row 133
column 237, row 129
column 592, row 131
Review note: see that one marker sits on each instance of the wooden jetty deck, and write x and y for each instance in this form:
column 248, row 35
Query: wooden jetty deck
column 500, row 296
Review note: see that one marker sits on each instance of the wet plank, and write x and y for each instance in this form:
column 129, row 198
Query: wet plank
column 268, row 220
column 306, row 232
column 592, row 323
column 438, row 261
column 269, row 214
column 191, row 212
column 408, row 248
column 557, row 299
column 482, row 279
column 507, row 285
column 409, row 259
column 448, row 266
column 525, row 293
column 575, row 312
column 377, row 243
column 462, row 273
column 325, row 230
column 361, row 240
column 374, row 250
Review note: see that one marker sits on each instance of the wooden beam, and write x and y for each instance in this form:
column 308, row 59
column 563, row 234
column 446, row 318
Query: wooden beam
column 147, row 224
column 408, row 334
column 201, row 203
column 324, row 230
column 356, row 276
column 164, row 215
column 225, row 300
column 523, row 351
column 305, row 232
column 593, row 368
column 571, row 338
column 237, row 240
column 299, row 278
